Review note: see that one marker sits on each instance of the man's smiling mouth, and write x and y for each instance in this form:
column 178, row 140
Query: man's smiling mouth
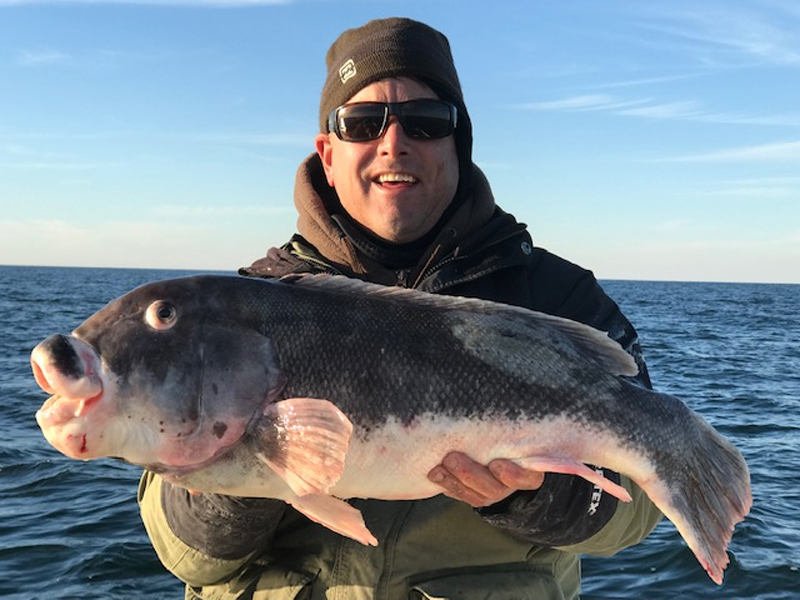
column 392, row 178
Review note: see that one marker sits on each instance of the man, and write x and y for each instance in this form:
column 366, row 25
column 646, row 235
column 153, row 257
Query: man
column 392, row 196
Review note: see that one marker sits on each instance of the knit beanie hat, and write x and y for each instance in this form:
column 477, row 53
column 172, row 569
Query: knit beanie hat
column 391, row 48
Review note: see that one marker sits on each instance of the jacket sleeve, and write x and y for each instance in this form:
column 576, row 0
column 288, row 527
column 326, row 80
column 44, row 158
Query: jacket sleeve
column 569, row 512
column 204, row 539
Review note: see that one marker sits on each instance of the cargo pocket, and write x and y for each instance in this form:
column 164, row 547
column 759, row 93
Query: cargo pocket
column 484, row 584
column 276, row 583
column 282, row 584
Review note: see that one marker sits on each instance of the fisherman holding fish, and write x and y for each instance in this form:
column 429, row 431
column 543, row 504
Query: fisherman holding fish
column 406, row 400
column 392, row 196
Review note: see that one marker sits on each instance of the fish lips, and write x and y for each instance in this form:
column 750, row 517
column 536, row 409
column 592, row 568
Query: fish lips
column 70, row 370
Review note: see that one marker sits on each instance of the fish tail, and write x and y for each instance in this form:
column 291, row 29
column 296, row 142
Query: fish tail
column 706, row 497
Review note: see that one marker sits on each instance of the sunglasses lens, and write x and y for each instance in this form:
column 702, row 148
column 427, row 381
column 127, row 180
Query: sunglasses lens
column 426, row 119
column 421, row 119
column 361, row 122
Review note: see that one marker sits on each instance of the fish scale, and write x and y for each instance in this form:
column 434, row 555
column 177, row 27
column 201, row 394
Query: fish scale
column 406, row 388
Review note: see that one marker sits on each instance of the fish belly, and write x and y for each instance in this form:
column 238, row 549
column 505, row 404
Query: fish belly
column 392, row 462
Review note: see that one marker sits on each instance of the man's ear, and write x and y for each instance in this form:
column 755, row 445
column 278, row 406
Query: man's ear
column 325, row 152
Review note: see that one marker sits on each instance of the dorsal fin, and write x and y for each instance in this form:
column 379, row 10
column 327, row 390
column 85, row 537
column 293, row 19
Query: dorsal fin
column 591, row 343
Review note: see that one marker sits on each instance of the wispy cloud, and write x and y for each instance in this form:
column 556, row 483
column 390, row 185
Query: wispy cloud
column 60, row 152
column 580, row 103
column 673, row 225
column 721, row 32
column 165, row 243
column 245, row 139
column 251, row 139
column 18, row 150
column 762, row 188
column 641, row 81
column 690, row 110
column 782, row 151
column 670, row 110
column 40, row 58
column 19, row 156
column 56, row 166
column 765, row 181
column 216, row 212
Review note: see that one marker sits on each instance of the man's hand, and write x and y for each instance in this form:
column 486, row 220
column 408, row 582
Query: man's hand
column 478, row 485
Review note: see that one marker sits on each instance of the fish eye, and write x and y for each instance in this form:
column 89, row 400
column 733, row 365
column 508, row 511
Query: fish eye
column 161, row 315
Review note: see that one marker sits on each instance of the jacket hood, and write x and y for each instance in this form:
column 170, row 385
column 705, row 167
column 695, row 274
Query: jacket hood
column 316, row 204
column 328, row 240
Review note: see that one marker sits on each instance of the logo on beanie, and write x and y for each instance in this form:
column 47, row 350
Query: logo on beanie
column 347, row 70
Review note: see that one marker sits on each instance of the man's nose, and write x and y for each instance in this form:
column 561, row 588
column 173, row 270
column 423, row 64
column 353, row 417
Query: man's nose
column 394, row 140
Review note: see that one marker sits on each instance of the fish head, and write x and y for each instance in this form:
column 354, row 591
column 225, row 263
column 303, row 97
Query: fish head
column 169, row 376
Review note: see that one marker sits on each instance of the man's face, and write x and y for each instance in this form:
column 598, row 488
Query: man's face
column 395, row 186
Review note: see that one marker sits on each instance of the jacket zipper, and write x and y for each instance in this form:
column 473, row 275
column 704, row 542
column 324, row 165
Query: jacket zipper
column 453, row 258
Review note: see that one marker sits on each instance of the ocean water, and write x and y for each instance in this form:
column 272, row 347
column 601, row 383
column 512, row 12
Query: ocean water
column 730, row 351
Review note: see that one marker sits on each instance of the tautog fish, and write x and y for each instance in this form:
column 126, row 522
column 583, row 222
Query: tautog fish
column 322, row 388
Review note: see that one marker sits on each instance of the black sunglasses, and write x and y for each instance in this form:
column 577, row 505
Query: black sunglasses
column 424, row 119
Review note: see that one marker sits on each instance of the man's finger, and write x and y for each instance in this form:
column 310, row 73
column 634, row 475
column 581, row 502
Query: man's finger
column 475, row 476
column 454, row 488
column 468, row 481
column 513, row 476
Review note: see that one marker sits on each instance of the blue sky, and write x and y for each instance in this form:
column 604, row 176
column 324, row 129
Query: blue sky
column 642, row 140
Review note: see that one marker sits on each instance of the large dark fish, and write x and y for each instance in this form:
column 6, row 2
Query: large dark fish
column 324, row 388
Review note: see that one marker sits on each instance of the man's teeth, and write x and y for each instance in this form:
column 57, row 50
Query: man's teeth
column 396, row 178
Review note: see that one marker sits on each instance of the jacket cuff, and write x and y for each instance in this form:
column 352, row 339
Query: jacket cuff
column 223, row 527
column 565, row 510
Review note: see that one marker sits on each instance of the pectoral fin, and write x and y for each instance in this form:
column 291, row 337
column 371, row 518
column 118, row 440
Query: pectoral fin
column 337, row 515
column 305, row 441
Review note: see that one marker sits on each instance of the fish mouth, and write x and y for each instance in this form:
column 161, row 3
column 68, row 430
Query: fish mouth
column 69, row 370
column 58, row 410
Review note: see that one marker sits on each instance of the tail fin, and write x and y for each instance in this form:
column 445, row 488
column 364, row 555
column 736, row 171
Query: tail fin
column 706, row 497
